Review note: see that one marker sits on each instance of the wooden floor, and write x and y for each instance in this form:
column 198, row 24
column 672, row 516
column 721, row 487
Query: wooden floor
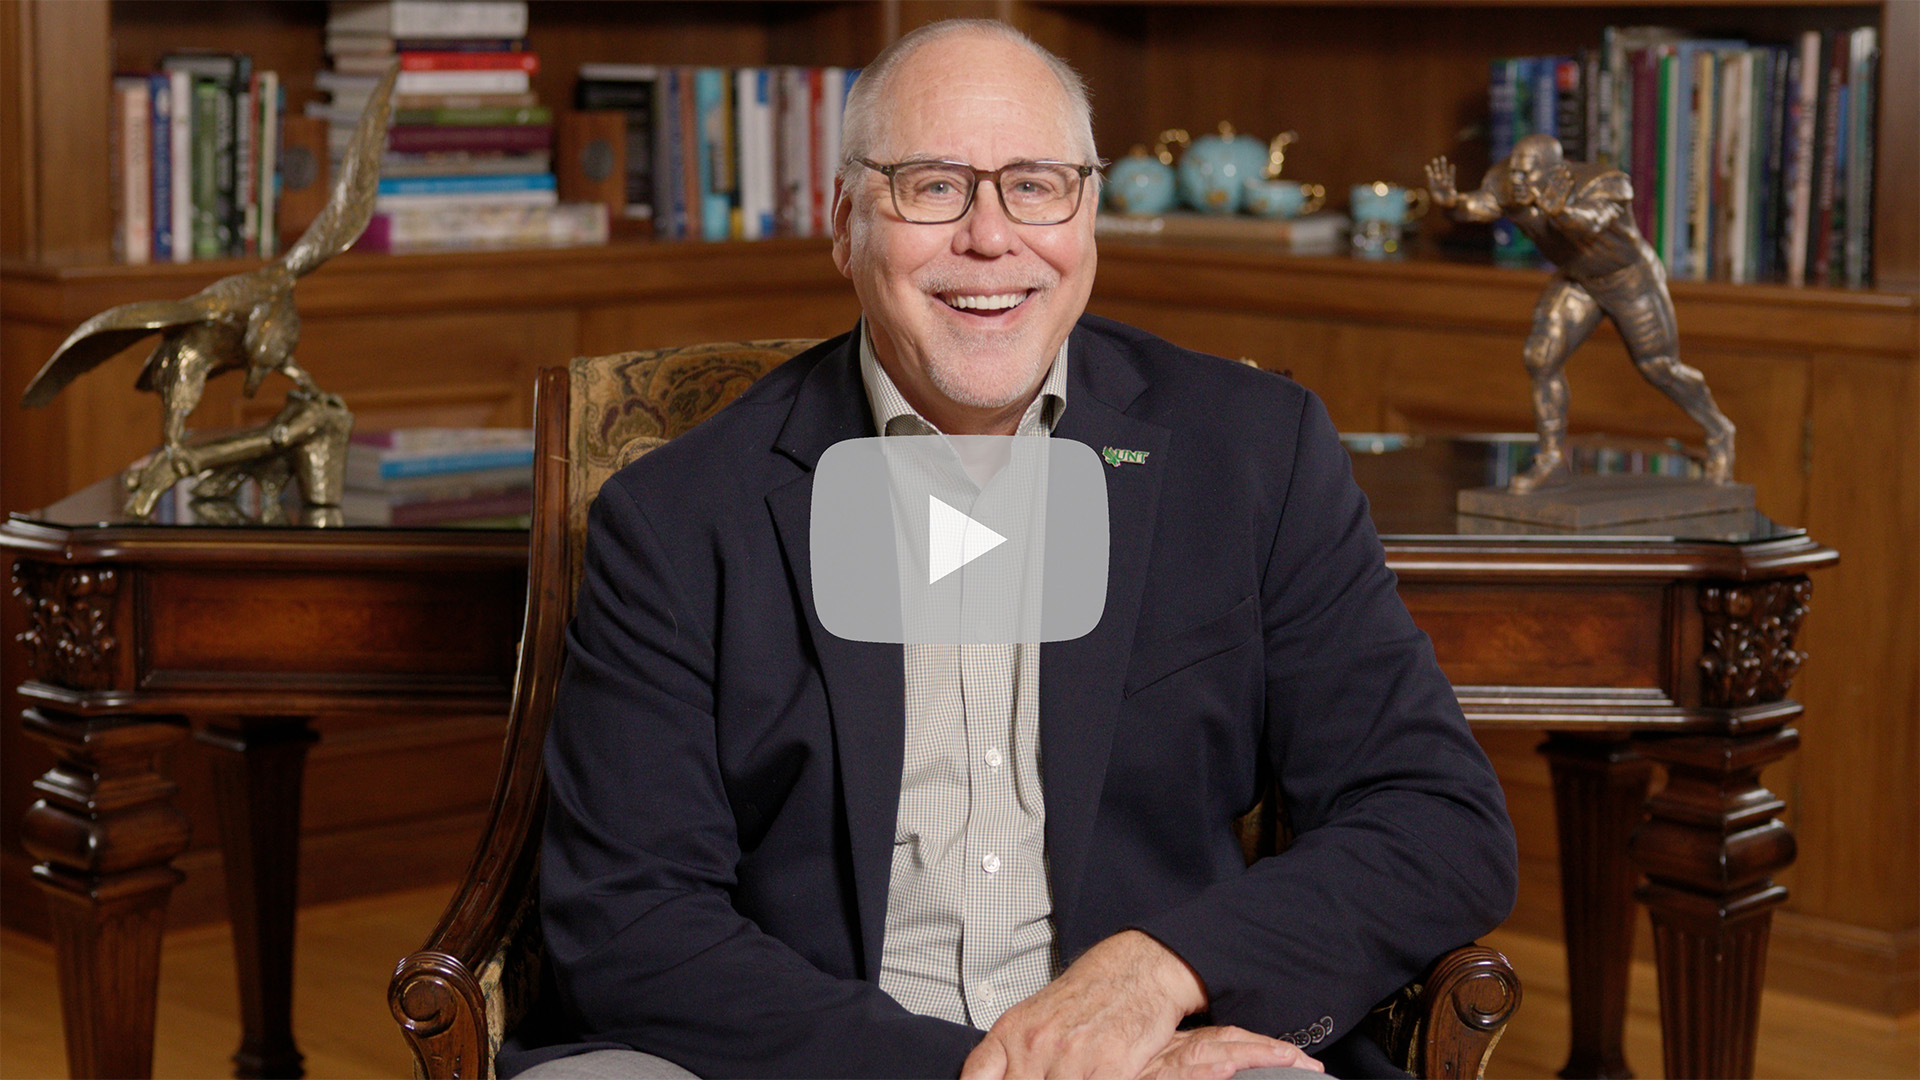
column 347, row 950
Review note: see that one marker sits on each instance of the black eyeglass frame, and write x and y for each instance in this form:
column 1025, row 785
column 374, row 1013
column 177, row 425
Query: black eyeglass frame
column 1079, row 193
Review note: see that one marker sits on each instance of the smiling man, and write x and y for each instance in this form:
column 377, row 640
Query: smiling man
column 773, row 851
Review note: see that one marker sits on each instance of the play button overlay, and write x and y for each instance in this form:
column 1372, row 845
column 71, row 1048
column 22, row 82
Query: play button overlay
column 954, row 539
column 936, row 540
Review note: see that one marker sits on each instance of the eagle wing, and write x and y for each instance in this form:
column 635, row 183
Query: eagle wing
column 350, row 206
column 103, row 336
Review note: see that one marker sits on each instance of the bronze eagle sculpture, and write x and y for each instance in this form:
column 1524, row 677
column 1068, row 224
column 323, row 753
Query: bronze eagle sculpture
column 245, row 321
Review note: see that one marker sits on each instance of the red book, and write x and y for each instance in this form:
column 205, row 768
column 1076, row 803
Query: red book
column 441, row 138
column 470, row 61
column 1644, row 155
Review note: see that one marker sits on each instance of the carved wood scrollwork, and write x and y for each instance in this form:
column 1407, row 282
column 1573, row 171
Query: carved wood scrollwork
column 69, row 636
column 1749, row 656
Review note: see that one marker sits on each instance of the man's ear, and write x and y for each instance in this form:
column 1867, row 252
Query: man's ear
column 842, row 225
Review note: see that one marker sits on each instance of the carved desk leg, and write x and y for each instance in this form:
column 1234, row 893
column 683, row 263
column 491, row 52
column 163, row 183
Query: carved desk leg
column 257, row 782
column 106, row 832
column 105, row 829
column 1712, row 841
column 1600, row 795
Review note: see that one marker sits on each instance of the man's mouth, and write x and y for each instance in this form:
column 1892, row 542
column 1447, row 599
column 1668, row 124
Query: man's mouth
column 985, row 303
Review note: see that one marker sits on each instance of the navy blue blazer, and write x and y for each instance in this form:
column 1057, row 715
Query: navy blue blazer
column 725, row 774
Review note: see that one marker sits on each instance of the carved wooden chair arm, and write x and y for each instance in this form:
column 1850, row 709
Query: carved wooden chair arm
column 1447, row 1023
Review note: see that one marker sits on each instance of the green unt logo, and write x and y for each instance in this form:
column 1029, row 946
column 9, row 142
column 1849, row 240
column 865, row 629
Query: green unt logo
column 1117, row 458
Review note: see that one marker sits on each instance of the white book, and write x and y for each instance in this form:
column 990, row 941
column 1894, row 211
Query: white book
column 794, row 164
column 430, row 18
column 463, row 82
column 826, row 161
column 269, row 164
column 180, row 91
column 1737, row 123
column 133, row 196
column 753, row 136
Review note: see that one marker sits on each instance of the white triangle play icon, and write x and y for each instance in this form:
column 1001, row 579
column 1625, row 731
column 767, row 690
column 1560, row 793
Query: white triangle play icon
column 954, row 539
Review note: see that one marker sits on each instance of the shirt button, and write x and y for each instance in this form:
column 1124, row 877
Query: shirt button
column 993, row 758
column 991, row 864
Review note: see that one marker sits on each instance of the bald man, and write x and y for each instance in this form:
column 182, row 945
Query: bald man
column 772, row 851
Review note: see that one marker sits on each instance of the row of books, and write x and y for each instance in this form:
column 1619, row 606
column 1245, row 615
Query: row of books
column 469, row 154
column 708, row 153
column 440, row 476
column 194, row 159
column 1749, row 161
column 1509, row 454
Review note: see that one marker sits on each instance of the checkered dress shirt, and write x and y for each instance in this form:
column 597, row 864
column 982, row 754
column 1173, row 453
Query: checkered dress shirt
column 969, row 911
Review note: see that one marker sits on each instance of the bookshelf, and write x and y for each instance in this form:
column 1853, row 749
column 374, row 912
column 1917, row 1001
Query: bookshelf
column 1824, row 383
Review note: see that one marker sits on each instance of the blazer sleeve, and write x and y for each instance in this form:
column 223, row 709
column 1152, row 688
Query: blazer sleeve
column 1403, row 848
column 640, row 851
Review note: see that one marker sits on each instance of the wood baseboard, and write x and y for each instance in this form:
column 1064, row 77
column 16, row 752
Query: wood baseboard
column 1856, row 966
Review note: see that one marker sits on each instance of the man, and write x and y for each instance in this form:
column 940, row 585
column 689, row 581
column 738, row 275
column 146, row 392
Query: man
column 774, row 851
column 1580, row 217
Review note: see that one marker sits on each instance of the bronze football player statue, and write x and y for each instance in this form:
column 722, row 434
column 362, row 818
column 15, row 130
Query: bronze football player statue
column 243, row 322
column 1580, row 217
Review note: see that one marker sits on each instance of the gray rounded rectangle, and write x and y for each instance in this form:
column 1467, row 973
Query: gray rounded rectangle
column 970, row 540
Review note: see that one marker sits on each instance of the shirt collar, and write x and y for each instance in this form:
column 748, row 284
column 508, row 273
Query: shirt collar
column 893, row 416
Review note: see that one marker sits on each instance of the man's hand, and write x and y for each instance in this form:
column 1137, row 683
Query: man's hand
column 1440, row 183
column 1215, row 1053
column 1113, row 1013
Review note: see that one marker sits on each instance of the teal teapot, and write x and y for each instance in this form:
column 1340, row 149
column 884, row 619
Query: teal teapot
column 1142, row 184
column 1215, row 169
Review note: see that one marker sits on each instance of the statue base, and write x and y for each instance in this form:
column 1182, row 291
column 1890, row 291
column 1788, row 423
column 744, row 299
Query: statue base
column 1587, row 502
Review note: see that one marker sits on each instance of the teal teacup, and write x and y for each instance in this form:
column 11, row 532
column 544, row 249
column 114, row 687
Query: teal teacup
column 1283, row 198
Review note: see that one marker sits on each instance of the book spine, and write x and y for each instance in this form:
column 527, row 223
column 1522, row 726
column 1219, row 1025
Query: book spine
column 1643, row 155
column 688, row 102
column 470, row 61
column 465, row 185
column 1698, row 196
column 1672, row 164
column 185, row 141
column 473, row 117
column 833, row 102
column 1765, row 166
column 517, row 138
column 463, row 82
column 483, row 198
column 246, row 128
column 206, row 170
column 270, row 106
column 1502, row 110
column 713, row 153
column 396, row 467
column 1723, row 203
column 816, row 150
column 1862, row 65
column 160, row 104
column 1833, row 88
column 457, row 19
column 135, row 99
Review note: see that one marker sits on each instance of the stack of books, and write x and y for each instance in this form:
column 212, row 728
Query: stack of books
column 1750, row 161
column 709, row 153
column 194, row 151
column 416, row 477
column 469, row 157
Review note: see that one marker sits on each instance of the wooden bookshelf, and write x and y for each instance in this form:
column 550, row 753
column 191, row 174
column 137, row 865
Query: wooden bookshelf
column 1825, row 384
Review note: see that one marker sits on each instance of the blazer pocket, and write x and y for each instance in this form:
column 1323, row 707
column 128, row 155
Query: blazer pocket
column 1183, row 649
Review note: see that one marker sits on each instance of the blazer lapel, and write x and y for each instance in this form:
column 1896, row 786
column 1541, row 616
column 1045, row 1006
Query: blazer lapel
column 865, row 681
column 1081, row 680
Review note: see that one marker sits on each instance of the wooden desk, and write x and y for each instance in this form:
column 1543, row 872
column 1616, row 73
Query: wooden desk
column 1627, row 650
column 141, row 634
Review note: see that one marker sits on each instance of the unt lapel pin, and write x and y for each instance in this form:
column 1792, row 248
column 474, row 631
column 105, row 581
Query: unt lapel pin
column 1117, row 458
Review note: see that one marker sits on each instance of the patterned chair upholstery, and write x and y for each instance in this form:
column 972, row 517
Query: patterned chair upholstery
column 481, row 968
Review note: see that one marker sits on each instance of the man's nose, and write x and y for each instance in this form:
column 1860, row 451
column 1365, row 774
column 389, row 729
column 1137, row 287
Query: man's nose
column 986, row 230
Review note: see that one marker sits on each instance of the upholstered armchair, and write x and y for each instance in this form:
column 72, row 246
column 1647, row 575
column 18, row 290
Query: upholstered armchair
column 480, row 969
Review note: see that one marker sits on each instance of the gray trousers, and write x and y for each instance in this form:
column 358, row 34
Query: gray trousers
column 634, row 1065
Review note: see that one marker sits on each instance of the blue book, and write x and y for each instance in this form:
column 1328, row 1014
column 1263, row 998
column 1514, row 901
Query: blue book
column 160, row 91
column 376, row 465
column 714, row 139
column 466, row 185
column 1510, row 94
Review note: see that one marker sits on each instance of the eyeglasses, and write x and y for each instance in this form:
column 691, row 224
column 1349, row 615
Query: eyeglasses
column 1031, row 192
